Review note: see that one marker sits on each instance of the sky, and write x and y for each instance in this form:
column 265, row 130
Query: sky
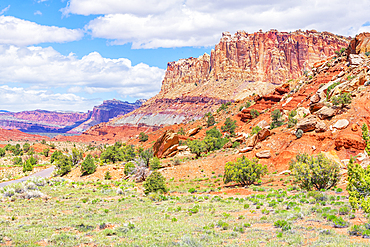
column 72, row 55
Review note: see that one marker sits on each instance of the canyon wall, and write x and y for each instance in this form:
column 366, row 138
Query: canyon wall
column 239, row 66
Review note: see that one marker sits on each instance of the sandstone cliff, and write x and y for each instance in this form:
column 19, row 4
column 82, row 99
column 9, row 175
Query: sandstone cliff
column 239, row 66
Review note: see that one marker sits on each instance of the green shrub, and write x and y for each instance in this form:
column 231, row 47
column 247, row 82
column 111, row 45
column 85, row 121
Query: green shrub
column 112, row 154
column 29, row 164
column 276, row 119
column 255, row 130
column 299, row 133
column 17, row 161
column 146, row 155
column 26, row 147
column 154, row 163
column 155, row 183
column 366, row 137
column 181, row 131
column 129, row 168
column 222, row 107
column 342, row 100
column 107, row 176
column 367, row 53
column 63, row 164
column 197, row 147
column 244, row 171
column 291, row 120
column 283, row 224
column 318, row 172
column 143, row 137
column 88, row 166
column 331, row 87
column 210, row 120
column 229, row 126
column 254, row 113
column 55, row 156
column 45, row 152
column 2, row 152
column 76, row 156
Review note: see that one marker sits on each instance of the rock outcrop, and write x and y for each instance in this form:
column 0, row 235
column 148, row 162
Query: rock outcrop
column 239, row 66
column 360, row 44
column 166, row 145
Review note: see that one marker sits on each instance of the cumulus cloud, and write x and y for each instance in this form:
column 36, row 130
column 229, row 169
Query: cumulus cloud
column 21, row 99
column 201, row 22
column 20, row 32
column 92, row 73
column 38, row 12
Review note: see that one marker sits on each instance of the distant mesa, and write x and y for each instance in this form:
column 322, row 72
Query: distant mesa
column 42, row 121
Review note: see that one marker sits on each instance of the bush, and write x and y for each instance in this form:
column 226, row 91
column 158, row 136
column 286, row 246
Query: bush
column 291, row 120
column 26, row 147
column 76, row 156
column 222, row 107
column 146, row 155
column 197, row 147
column 88, row 166
column 210, row 120
column 366, row 137
column 244, row 171
column 143, row 137
column 2, row 152
column 45, row 152
column 299, row 133
column 112, row 154
column 55, row 156
column 107, row 176
column 29, row 164
column 154, row 163
column 155, row 183
column 129, row 168
column 283, row 224
column 254, row 113
column 181, row 131
column 63, row 164
column 318, row 172
column 343, row 99
column 229, row 126
column 17, row 161
column 276, row 119
column 255, row 130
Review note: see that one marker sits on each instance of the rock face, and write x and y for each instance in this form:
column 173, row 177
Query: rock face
column 166, row 145
column 240, row 65
column 360, row 44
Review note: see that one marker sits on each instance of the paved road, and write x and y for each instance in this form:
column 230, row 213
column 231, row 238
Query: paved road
column 44, row 173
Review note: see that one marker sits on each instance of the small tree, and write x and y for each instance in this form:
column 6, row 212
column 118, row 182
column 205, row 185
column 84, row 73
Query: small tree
column 143, row 137
column 255, row 130
column 181, row 131
column 45, row 152
column 76, row 156
column 210, row 120
column 88, row 166
column 358, row 186
column 291, row 120
column 107, row 176
column 17, row 161
column 146, row 155
column 155, row 183
column 2, row 152
column 55, row 156
column 26, row 147
column 197, row 147
column 343, row 99
column 318, row 172
column 244, row 171
column 64, row 165
column 229, row 126
column 29, row 164
column 254, row 113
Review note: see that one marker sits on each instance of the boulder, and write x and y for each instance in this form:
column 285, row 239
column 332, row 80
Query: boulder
column 350, row 141
column 307, row 124
column 263, row 124
column 341, row 124
column 355, row 59
column 354, row 127
column 244, row 150
column 193, row 131
column 315, row 107
column 252, row 141
column 332, row 155
column 265, row 154
column 315, row 99
column 263, row 134
column 166, row 145
column 326, row 112
column 302, row 112
column 320, row 127
column 182, row 148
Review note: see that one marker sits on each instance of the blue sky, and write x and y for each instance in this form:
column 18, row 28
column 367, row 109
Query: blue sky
column 72, row 55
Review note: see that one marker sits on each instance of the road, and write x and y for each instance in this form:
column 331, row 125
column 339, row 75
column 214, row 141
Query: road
column 44, row 173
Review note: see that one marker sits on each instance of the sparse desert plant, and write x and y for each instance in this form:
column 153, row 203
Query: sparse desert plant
column 155, row 183
column 45, row 152
column 88, row 166
column 315, row 172
column 143, row 137
column 343, row 99
column 55, row 156
column 366, row 137
column 276, row 119
column 17, row 161
column 244, row 171
column 26, row 147
column 107, row 176
column 283, row 224
column 197, row 147
column 254, row 113
column 63, row 164
column 210, row 119
column 146, row 155
column 299, row 133
column 76, row 156
column 255, row 130
column 291, row 120
column 29, row 164
column 229, row 126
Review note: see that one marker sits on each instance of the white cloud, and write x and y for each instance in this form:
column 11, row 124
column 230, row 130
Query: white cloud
column 20, row 32
column 38, row 12
column 21, row 99
column 4, row 10
column 45, row 68
column 137, row 7
column 201, row 22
